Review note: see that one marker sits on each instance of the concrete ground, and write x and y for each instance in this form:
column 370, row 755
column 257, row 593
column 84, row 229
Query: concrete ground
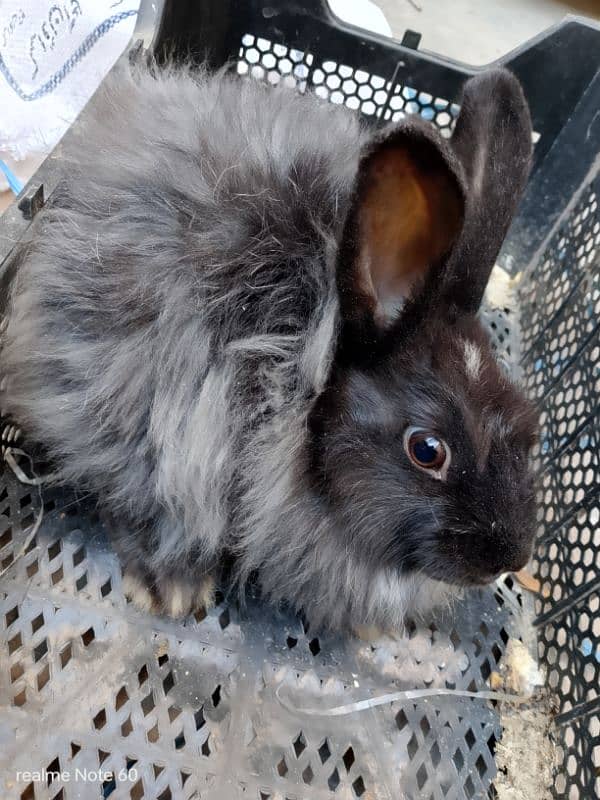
column 479, row 31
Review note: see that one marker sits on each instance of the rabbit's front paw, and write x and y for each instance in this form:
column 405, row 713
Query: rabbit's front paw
column 138, row 592
column 175, row 596
column 371, row 633
column 180, row 597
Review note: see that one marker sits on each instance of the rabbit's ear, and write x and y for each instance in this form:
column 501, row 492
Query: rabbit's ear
column 405, row 215
column 492, row 141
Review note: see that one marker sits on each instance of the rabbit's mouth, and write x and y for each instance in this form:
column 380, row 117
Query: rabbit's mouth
column 485, row 579
column 467, row 578
column 478, row 562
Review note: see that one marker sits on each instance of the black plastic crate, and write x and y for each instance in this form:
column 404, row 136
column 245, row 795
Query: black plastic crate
column 554, row 250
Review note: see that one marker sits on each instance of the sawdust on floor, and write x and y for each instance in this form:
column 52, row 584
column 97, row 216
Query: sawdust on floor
column 525, row 756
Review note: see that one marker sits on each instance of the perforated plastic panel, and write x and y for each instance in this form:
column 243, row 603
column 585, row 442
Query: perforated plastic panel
column 189, row 709
column 358, row 89
column 273, row 62
column 561, row 300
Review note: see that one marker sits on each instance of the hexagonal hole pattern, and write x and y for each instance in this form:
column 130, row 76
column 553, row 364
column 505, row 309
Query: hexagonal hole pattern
column 273, row 62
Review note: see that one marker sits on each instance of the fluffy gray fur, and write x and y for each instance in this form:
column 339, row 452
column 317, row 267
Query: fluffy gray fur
column 173, row 321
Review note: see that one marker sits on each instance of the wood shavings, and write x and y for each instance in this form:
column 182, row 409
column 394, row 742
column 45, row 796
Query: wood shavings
column 163, row 649
column 519, row 672
column 527, row 581
column 525, row 754
column 496, row 681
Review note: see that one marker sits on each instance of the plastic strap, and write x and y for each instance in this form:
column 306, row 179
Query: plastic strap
column 394, row 697
column 9, row 457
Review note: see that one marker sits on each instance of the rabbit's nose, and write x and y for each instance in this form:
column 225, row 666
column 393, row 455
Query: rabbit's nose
column 512, row 557
column 507, row 561
column 519, row 562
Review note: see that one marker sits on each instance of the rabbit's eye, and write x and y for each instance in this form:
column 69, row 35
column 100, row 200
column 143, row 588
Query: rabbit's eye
column 427, row 452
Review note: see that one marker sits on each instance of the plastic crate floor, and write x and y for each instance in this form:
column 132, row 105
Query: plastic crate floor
column 130, row 705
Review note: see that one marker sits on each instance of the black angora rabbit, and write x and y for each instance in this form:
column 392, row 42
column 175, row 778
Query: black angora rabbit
column 249, row 326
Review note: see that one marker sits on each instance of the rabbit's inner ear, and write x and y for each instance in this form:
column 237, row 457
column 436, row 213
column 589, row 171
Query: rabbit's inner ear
column 409, row 215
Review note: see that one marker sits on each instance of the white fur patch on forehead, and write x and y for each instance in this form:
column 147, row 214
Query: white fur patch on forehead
column 472, row 355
